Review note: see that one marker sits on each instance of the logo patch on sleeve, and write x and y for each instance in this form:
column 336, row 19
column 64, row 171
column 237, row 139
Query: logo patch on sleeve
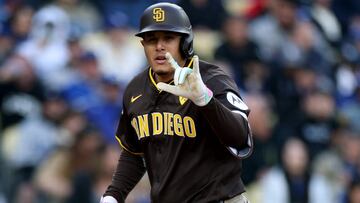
column 236, row 101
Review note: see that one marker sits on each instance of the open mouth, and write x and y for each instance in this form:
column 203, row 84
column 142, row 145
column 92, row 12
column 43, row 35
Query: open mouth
column 160, row 59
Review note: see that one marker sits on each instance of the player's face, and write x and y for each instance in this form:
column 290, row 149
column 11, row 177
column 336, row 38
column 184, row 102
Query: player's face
column 156, row 44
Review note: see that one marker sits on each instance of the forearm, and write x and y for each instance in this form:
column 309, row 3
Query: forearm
column 129, row 171
column 231, row 127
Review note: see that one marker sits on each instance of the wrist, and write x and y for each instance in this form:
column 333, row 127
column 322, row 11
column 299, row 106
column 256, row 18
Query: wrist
column 108, row 199
column 205, row 98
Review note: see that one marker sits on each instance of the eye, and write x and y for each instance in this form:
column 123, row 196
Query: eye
column 169, row 37
column 150, row 39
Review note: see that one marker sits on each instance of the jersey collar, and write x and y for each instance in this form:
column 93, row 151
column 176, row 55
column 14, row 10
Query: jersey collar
column 188, row 63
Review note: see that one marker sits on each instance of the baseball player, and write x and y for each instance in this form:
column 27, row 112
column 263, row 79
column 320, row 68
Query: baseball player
column 183, row 120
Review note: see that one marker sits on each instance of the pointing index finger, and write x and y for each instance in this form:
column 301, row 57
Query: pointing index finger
column 196, row 65
column 171, row 60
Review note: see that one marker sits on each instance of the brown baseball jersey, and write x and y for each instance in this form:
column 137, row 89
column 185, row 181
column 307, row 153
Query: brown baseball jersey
column 184, row 146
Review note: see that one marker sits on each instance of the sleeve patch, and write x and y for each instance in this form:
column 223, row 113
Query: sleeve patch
column 234, row 100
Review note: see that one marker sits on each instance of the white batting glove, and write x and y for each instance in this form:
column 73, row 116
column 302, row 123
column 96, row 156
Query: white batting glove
column 188, row 83
column 108, row 199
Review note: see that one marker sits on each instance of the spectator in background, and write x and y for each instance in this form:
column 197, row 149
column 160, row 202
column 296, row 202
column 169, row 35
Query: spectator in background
column 266, row 151
column 19, row 24
column 277, row 24
column 339, row 164
column 6, row 44
column 293, row 180
column 21, row 97
column 85, row 158
column 75, row 48
column 354, row 192
column 73, row 168
column 204, row 14
column 118, row 56
column 70, row 126
column 241, row 53
column 69, row 73
column 351, row 111
column 105, row 115
column 318, row 121
column 346, row 83
column 325, row 19
column 350, row 151
column 328, row 171
column 299, row 71
column 57, row 167
column 348, row 71
column 82, row 93
column 287, row 97
column 305, row 45
column 14, row 30
column 46, row 47
column 28, row 143
column 21, row 94
column 83, row 16
column 96, row 96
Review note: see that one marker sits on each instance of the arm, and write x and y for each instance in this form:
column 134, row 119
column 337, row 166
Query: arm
column 227, row 115
column 231, row 127
column 129, row 171
column 130, row 168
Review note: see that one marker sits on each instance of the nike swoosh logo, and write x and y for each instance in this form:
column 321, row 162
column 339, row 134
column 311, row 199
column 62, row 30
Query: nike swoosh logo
column 133, row 99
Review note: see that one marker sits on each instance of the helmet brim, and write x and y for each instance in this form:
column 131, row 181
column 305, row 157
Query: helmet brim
column 163, row 27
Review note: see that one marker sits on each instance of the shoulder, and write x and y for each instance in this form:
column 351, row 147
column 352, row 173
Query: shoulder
column 216, row 78
column 138, row 82
column 209, row 70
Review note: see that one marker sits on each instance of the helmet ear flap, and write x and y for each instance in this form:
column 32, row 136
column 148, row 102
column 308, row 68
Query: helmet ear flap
column 186, row 45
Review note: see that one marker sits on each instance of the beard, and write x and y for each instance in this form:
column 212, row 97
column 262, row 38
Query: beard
column 162, row 73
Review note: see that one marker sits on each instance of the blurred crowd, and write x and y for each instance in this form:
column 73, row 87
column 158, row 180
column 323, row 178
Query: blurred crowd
column 64, row 65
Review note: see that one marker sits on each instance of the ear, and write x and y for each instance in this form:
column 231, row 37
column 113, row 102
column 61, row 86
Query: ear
column 142, row 42
column 186, row 46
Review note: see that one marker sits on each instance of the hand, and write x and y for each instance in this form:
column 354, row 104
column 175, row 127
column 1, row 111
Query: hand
column 188, row 83
column 108, row 199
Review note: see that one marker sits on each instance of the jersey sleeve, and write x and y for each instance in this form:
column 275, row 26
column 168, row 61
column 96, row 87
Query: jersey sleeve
column 129, row 171
column 227, row 115
column 126, row 135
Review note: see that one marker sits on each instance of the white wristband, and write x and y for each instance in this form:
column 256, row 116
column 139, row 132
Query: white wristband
column 108, row 199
